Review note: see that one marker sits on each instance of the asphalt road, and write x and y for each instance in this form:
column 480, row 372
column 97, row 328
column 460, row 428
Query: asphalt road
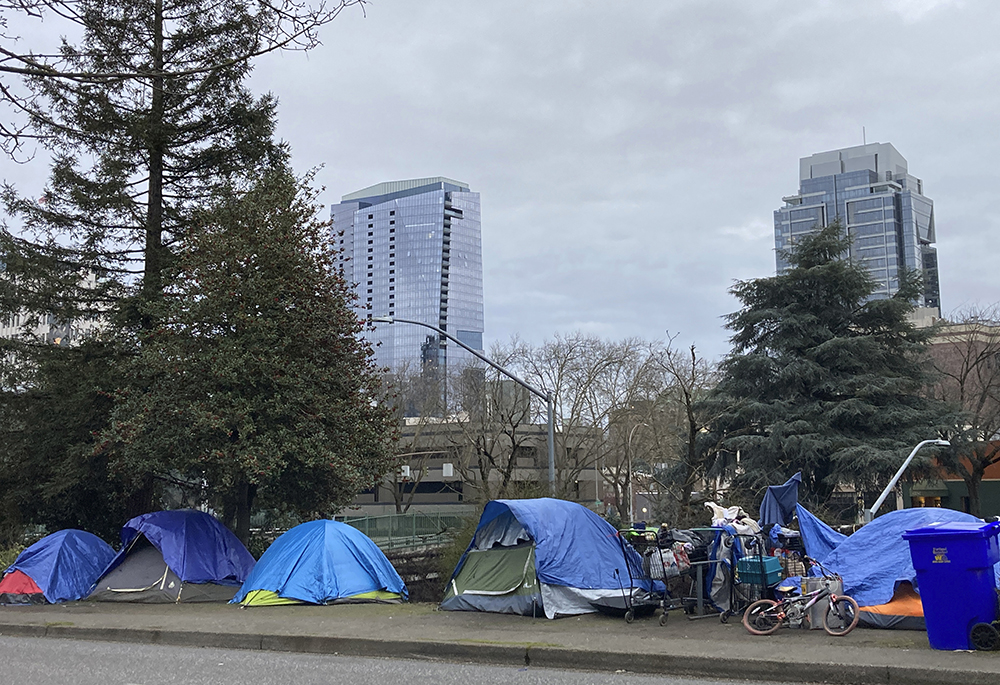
column 28, row 661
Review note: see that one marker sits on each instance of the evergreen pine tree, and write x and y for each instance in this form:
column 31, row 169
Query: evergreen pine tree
column 822, row 378
column 255, row 380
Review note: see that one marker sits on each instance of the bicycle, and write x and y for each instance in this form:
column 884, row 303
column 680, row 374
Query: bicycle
column 765, row 616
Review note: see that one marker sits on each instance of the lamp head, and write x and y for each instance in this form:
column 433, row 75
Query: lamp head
column 382, row 319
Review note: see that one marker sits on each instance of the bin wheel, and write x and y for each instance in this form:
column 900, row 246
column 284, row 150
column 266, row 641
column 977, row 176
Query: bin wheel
column 663, row 618
column 629, row 616
column 724, row 617
column 985, row 637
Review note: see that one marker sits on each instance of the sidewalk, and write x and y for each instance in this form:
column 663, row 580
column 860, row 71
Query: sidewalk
column 703, row 647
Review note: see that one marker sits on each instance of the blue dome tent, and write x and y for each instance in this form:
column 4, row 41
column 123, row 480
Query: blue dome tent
column 175, row 556
column 322, row 562
column 537, row 556
column 61, row 567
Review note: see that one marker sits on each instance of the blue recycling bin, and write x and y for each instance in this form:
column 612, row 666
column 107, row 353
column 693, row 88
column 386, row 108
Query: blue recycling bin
column 954, row 564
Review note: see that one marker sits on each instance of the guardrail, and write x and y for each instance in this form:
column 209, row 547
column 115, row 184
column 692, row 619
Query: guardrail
column 395, row 531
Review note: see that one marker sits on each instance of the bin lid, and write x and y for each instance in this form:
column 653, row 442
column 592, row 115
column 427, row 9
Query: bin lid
column 950, row 529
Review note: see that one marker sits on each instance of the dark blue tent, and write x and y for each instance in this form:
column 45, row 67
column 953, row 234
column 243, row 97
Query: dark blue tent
column 321, row 562
column 64, row 565
column 559, row 556
column 180, row 555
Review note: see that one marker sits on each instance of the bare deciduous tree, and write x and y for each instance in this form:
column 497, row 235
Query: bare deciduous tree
column 966, row 354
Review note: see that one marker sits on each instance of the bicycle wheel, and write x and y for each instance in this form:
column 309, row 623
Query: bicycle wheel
column 841, row 616
column 760, row 619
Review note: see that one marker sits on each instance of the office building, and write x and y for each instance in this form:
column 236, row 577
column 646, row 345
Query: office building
column 884, row 209
column 413, row 249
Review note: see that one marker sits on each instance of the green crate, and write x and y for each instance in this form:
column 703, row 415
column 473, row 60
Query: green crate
column 748, row 570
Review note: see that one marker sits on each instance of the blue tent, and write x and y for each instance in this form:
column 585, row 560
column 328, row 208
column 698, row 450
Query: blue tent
column 876, row 559
column 559, row 556
column 64, row 565
column 180, row 555
column 321, row 562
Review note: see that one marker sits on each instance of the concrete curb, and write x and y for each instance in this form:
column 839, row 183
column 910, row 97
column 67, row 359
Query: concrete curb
column 719, row 667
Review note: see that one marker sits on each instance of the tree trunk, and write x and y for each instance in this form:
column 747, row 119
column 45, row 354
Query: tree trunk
column 152, row 281
column 245, row 494
column 972, row 481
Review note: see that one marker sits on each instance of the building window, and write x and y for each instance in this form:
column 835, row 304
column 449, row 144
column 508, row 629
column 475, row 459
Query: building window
column 392, row 264
column 370, row 249
column 369, row 291
column 392, row 223
column 392, row 271
column 392, row 212
column 392, row 280
column 370, row 225
column 391, row 288
column 369, row 282
column 371, row 216
column 391, row 296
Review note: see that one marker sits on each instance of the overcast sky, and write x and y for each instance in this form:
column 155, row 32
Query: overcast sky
column 630, row 154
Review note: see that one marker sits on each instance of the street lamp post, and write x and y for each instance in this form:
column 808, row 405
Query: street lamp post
column 543, row 394
column 628, row 468
column 870, row 513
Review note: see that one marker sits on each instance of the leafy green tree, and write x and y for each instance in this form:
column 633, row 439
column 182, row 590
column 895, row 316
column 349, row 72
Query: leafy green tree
column 146, row 117
column 821, row 378
column 255, row 380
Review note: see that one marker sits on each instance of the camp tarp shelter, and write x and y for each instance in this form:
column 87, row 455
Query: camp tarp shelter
column 876, row 559
column 535, row 556
column 818, row 538
column 61, row 567
column 778, row 505
column 322, row 562
column 182, row 555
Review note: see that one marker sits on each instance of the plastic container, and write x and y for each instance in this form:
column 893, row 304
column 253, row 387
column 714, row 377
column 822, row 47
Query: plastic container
column 818, row 610
column 748, row 570
column 954, row 564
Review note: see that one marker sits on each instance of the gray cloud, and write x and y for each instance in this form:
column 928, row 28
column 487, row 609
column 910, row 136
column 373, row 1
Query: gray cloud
column 630, row 155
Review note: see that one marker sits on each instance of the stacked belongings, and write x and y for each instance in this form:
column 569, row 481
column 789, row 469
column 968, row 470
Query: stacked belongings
column 322, row 562
column 61, row 567
column 175, row 556
column 539, row 556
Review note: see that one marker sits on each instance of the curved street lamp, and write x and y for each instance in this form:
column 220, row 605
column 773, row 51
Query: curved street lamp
column 870, row 513
column 544, row 394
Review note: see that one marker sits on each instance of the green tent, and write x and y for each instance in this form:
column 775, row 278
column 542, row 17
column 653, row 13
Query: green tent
column 501, row 579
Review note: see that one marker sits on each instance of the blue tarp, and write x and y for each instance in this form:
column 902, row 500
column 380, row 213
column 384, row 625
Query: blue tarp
column 778, row 505
column 819, row 539
column 875, row 559
column 322, row 561
column 65, row 565
column 574, row 546
column 195, row 546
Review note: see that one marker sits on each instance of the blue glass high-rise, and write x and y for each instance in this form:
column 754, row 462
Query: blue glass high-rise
column 884, row 209
column 413, row 249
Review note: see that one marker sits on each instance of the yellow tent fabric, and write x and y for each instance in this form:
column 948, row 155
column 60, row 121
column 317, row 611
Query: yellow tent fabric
column 262, row 598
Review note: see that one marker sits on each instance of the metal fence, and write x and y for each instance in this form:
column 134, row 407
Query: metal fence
column 395, row 531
